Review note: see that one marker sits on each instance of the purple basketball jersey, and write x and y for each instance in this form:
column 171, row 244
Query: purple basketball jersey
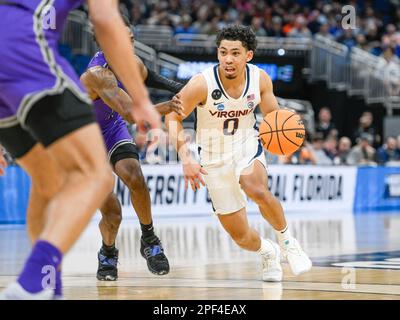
column 31, row 64
column 60, row 5
column 112, row 125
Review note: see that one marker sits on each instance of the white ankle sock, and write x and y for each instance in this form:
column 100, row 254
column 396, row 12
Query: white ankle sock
column 266, row 247
column 283, row 235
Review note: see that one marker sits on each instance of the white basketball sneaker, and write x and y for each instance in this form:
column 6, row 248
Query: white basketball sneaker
column 16, row 292
column 298, row 260
column 272, row 269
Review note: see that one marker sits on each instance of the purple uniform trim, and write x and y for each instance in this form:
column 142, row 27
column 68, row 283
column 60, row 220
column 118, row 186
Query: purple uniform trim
column 112, row 125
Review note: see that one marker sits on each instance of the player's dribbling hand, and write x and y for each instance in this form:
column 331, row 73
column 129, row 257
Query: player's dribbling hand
column 3, row 162
column 192, row 173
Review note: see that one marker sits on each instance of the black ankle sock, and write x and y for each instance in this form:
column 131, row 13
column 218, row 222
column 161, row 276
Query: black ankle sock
column 147, row 230
column 109, row 249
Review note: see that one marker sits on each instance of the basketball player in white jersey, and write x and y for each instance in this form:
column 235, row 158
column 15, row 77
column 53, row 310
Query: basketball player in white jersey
column 232, row 163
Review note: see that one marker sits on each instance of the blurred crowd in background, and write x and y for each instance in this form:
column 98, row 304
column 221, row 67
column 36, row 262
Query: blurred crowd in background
column 364, row 147
column 377, row 31
column 377, row 21
column 323, row 147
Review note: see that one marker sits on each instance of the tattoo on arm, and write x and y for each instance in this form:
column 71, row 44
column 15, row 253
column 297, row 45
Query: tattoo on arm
column 105, row 84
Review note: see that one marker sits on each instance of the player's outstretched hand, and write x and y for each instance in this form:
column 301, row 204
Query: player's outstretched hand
column 3, row 162
column 192, row 173
column 175, row 105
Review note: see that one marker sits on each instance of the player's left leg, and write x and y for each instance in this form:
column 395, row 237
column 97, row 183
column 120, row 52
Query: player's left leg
column 40, row 166
column 38, row 163
column 237, row 226
column 254, row 182
column 46, row 180
column 111, row 216
column 127, row 167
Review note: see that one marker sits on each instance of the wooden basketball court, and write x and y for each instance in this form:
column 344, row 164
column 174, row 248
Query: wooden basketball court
column 354, row 256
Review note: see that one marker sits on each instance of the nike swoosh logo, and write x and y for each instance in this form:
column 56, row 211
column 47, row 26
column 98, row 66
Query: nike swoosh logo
column 217, row 103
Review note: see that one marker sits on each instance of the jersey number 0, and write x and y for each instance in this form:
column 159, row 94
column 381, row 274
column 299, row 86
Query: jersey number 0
column 230, row 126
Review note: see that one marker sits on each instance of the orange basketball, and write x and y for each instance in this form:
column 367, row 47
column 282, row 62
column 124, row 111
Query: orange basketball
column 282, row 132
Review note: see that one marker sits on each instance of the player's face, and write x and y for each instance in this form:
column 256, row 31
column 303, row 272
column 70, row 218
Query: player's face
column 232, row 57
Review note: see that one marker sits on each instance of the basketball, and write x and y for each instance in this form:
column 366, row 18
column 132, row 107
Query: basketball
column 282, row 132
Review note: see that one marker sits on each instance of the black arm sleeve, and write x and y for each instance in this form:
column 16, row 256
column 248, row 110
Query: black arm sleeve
column 156, row 81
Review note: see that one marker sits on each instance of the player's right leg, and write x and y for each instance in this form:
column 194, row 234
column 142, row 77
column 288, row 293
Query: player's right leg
column 72, row 137
column 46, row 176
column 111, row 216
column 46, row 180
column 35, row 160
column 237, row 226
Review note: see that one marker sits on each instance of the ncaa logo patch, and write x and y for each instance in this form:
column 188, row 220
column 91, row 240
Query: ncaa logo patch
column 216, row 94
column 250, row 104
column 220, row 107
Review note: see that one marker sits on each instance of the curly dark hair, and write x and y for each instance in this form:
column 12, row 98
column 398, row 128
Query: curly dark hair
column 237, row 32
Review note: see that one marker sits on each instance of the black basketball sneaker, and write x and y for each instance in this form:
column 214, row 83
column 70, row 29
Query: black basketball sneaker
column 152, row 250
column 107, row 270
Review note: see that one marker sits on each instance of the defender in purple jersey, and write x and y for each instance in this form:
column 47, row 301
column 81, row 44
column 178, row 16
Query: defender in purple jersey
column 111, row 103
column 48, row 125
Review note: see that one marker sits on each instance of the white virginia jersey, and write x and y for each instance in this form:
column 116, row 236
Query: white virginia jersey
column 224, row 125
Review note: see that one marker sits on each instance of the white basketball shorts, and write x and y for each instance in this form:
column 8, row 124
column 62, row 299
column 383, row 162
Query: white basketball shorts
column 223, row 176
